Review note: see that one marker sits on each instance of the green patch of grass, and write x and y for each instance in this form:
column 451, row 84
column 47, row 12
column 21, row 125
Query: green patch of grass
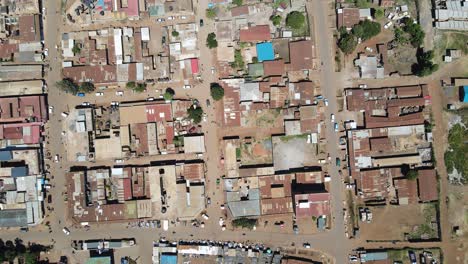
column 238, row 153
column 457, row 154
column 398, row 255
column 425, row 229
column 450, row 40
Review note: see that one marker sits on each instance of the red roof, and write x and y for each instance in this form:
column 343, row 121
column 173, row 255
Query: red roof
column 158, row 113
column 131, row 9
column 255, row 34
column 127, row 185
column 427, row 183
column 239, row 11
column 273, row 68
column 194, row 64
column 6, row 50
column 312, row 204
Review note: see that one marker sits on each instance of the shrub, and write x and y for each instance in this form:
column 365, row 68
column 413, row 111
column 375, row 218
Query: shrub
column 425, row 66
column 244, row 222
column 415, row 31
column 217, row 92
column 412, row 175
column 195, row 113
column 237, row 2
column 136, row 87
column 211, row 13
column 68, row 86
column 379, row 13
column 175, row 33
column 295, row 20
column 238, row 60
column 211, row 41
column 86, row 87
column 276, row 20
column 76, row 49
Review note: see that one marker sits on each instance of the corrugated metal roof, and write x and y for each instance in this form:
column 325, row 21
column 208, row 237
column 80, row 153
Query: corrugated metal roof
column 12, row 218
column 5, row 155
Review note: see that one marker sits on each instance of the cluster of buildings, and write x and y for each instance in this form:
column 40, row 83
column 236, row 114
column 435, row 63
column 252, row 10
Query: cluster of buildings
column 133, row 136
column 451, row 15
column 390, row 138
column 110, row 57
column 23, row 114
column 219, row 252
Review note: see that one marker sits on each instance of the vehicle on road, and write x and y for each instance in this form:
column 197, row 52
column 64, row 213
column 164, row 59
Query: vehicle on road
column 170, row 18
column 201, row 23
column 208, row 200
column 212, row 70
column 119, row 93
column 66, row 231
column 205, row 216
column 332, row 118
column 56, row 158
column 85, row 104
column 165, row 225
column 49, row 198
column 337, row 162
column 183, row 17
column 160, row 20
column 208, row 103
column 46, row 52
column 150, row 99
column 363, row 86
column 51, row 109
column 24, row 229
column 306, row 245
column 64, row 114
column 336, row 127
column 326, row 102
column 99, row 94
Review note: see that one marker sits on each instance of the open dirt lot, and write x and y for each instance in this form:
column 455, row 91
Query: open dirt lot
column 258, row 151
column 392, row 222
column 291, row 152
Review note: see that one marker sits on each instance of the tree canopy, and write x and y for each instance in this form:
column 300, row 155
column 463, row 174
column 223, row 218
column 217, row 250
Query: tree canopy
column 276, row 20
column 237, row 2
column 217, row 92
column 211, row 41
column 244, row 222
column 425, row 66
column 211, row 13
column 68, row 85
column 412, row 175
column 195, row 113
column 86, row 87
column 366, row 29
column 175, row 33
column 416, row 34
column 169, row 94
column 136, row 87
column 295, row 20
column 347, row 43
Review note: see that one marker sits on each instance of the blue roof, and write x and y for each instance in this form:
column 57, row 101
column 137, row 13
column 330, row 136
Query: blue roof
column 19, row 171
column 265, row 51
column 168, row 259
column 465, row 96
column 5, row 155
column 373, row 256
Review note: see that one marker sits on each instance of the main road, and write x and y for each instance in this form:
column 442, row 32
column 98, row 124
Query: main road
column 332, row 242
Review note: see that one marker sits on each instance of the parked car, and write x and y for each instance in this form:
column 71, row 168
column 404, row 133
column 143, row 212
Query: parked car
column 85, row 104
column 49, row 198
column 337, row 162
column 412, row 257
column 24, row 229
column 56, row 158
column 51, row 109
column 201, row 23
column 388, row 25
column 119, row 93
column 326, row 102
column 306, row 245
column 208, row 103
column 160, row 20
column 332, row 118
column 99, row 94
column 336, row 127
column 205, row 216
column 80, row 94
column 170, row 18
column 363, row 86
column 183, row 17
column 66, row 231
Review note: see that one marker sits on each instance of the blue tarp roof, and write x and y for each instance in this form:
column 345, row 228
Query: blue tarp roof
column 168, row 259
column 5, row 155
column 465, row 96
column 265, row 51
column 19, row 171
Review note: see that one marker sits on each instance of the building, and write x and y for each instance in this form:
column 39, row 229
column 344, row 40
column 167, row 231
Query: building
column 265, row 51
column 255, row 34
column 369, row 67
column 452, row 15
column 312, row 204
column 428, row 185
column 347, row 17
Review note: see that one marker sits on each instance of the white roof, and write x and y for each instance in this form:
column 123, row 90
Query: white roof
column 145, row 34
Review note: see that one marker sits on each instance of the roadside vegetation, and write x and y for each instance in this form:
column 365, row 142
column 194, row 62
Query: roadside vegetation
column 211, row 41
column 244, row 222
column 217, row 92
column 169, row 94
column 425, row 230
column 27, row 254
column 457, row 154
column 69, row 86
column 136, row 87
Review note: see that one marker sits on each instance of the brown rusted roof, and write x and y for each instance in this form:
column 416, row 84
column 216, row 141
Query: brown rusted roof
column 427, row 183
column 301, row 55
column 255, row 34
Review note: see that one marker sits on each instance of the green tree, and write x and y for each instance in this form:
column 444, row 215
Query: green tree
column 415, row 31
column 211, row 41
column 169, row 94
column 276, row 20
column 237, row 2
column 366, row 29
column 347, row 43
column 86, row 87
column 140, row 87
column 211, row 13
column 68, row 85
column 295, row 20
column 400, row 36
column 175, row 33
column 362, row 3
column 412, row 175
column 76, row 49
column 195, row 113
column 379, row 13
column 254, row 60
column 217, row 92
column 425, row 66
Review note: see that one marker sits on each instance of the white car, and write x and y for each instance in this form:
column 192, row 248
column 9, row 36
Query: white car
column 332, row 117
column 183, row 17
column 205, row 216
column 160, row 20
column 56, row 158
column 119, row 161
column 306, row 245
column 212, row 70
column 149, row 99
column 64, row 114
column 119, row 93
column 51, row 109
column 369, row 49
column 336, row 127
column 99, row 94
column 85, row 104
column 114, row 103
column 66, row 231
column 46, row 52
column 389, row 24
column 363, row 86
column 326, row 102
column 170, row 18
column 205, row 117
